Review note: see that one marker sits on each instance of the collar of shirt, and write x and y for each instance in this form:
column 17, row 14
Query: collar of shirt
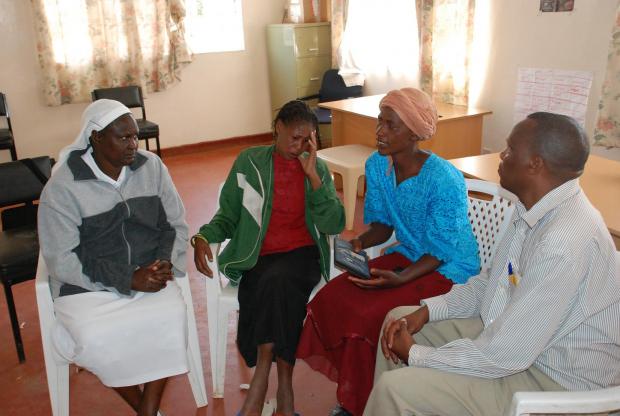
column 547, row 203
column 90, row 161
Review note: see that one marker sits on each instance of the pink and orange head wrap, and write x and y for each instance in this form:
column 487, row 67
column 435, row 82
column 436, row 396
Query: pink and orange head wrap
column 415, row 109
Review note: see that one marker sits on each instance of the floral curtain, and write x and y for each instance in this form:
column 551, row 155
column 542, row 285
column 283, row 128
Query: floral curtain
column 338, row 21
column 88, row 44
column 607, row 129
column 446, row 30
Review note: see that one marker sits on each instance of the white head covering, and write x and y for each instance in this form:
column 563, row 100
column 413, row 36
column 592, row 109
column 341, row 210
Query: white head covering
column 97, row 116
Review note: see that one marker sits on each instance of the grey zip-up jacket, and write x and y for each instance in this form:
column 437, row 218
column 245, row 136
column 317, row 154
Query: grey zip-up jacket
column 93, row 236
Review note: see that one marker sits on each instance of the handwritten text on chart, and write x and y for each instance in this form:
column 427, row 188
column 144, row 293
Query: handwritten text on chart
column 553, row 90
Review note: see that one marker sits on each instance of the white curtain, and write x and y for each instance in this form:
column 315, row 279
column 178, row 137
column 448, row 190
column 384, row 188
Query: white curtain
column 380, row 47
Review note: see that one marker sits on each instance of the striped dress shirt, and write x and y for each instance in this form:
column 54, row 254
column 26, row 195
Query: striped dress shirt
column 560, row 311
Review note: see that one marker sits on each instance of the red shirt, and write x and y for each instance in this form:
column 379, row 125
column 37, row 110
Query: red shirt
column 287, row 227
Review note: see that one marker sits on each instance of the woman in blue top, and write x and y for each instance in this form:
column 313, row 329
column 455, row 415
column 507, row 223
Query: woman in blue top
column 420, row 197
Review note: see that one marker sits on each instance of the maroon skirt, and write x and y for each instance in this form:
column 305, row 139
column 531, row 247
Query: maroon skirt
column 341, row 331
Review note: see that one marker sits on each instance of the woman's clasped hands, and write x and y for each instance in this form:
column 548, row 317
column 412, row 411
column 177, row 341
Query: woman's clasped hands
column 152, row 278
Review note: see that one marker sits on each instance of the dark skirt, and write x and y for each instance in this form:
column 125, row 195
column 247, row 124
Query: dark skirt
column 272, row 302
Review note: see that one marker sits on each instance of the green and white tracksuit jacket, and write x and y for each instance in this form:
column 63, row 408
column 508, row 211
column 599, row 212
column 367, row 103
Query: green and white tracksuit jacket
column 245, row 210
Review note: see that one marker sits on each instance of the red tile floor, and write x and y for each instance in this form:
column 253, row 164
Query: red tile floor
column 23, row 387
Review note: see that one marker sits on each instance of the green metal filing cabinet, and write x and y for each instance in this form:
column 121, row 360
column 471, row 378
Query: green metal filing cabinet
column 298, row 55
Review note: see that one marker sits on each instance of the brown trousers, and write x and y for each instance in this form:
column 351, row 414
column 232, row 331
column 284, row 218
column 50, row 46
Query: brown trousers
column 401, row 390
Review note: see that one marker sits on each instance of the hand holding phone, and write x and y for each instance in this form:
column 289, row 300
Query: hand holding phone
column 380, row 279
column 346, row 258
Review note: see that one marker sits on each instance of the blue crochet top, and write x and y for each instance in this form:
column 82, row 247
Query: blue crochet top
column 428, row 213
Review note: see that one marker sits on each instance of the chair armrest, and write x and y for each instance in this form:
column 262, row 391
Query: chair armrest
column 376, row 251
column 214, row 284
column 42, row 284
column 30, row 186
column 554, row 402
column 333, row 271
column 186, row 290
column 45, row 306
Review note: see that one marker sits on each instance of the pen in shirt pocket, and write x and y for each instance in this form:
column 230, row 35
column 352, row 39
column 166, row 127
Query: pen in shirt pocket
column 513, row 278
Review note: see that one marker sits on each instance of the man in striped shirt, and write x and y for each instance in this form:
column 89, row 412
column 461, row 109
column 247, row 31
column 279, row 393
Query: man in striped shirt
column 546, row 316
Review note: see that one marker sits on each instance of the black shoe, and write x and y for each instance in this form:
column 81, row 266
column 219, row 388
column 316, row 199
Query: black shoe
column 339, row 411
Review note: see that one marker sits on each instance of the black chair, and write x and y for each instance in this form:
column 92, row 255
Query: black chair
column 332, row 88
column 6, row 135
column 21, row 183
column 131, row 96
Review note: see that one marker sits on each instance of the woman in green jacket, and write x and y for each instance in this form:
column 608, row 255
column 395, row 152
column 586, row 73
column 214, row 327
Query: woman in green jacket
column 277, row 207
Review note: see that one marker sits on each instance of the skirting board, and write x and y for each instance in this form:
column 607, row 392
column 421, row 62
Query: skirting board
column 245, row 141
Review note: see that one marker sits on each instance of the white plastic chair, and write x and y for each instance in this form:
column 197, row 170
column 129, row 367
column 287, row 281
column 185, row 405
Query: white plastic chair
column 489, row 211
column 601, row 401
column 348, row 161
column 221, row 301
column 58, row 369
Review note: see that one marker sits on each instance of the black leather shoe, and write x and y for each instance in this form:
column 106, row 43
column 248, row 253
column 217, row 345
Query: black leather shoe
column 339, row 411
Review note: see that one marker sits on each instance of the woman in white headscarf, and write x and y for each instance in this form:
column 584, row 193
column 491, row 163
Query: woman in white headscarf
column 113, row 234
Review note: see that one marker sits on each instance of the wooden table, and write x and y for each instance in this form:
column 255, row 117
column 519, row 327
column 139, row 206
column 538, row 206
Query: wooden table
column 459, row 130
column 600, row 181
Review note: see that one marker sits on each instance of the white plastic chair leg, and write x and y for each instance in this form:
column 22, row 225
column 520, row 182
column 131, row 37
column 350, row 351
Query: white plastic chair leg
column 57, row 370
column 361, row 184
column 194, row 358
column 217, row 315
column 57, row 381
column 58, row 385
column 218, row 350
column 349, row 193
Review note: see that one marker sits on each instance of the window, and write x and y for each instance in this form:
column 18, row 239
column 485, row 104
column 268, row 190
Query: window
column 295, row 11
column 380, row 45
column 214, row 25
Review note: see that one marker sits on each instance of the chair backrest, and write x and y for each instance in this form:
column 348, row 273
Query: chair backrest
column 490, row 208
column 19, row 184
column 4, row 111
column 333, row 88
column 131, row 96
column 31, row 176
column 4, row 108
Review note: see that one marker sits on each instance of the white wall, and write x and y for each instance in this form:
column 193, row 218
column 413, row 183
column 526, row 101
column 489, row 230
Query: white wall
column 221, row 95
column 226, row 94
column 521, row 36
